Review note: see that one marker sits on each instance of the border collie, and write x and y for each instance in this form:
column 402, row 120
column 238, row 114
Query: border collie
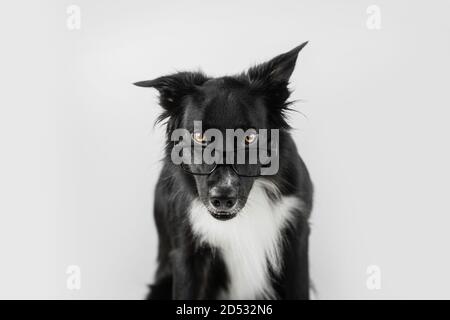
column 227, row 231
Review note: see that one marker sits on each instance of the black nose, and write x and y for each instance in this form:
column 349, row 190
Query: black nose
column 223, row 199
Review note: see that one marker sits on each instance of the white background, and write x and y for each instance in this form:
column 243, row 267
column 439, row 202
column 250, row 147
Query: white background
column 79, row 156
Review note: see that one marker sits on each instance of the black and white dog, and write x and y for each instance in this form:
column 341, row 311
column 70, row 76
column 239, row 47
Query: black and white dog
column 224, row 233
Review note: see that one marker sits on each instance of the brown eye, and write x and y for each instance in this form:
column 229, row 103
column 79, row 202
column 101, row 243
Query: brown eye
column 251, row 137
column 199, row 137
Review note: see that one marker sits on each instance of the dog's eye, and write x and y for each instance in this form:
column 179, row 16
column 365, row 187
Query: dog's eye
column 199, row 137
column 251, row 137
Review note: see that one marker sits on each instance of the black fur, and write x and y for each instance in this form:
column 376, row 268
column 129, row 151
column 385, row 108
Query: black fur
column 255, row 99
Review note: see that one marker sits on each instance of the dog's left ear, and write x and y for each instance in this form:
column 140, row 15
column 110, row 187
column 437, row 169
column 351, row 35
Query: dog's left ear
column 278, row 70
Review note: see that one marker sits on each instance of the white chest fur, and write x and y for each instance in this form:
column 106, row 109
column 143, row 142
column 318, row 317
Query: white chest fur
column 250, row 242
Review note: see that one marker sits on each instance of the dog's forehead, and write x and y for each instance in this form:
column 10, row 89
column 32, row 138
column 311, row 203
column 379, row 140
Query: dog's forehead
column 226, row 103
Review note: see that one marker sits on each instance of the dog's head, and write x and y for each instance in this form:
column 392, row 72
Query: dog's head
column 254, row 100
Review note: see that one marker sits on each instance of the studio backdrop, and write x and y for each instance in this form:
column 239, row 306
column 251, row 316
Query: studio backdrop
column 80, row 154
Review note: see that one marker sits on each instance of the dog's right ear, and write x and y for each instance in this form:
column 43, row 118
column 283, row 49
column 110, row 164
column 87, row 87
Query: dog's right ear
column 174, row 87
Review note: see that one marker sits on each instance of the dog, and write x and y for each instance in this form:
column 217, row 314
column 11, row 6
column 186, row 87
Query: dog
column 224, row 233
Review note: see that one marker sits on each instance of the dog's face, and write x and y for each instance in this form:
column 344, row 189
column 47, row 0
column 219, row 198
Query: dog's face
column 222, row 104
column 251, row 101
